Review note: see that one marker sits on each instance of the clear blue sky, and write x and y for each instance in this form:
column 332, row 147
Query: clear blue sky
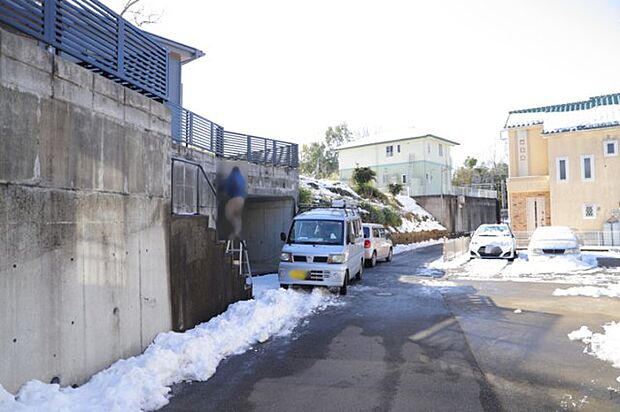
column 289, row 69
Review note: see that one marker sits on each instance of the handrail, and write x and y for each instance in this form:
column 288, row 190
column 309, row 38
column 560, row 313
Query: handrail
column 97, row 37
column 206, row 178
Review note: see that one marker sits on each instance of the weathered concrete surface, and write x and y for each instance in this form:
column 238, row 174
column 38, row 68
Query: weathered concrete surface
column 203, row 279
column 263, row 221
column 459, row 217
column 84, row 210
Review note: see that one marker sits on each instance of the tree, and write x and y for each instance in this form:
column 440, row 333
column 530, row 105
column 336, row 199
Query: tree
column 137, row 14
column 320, row 159
column 363, row 176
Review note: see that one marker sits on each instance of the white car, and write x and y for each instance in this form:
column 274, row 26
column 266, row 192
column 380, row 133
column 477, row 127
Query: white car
column 552, row 241
column 377, row 245
column 493, row 241
column 324, row 247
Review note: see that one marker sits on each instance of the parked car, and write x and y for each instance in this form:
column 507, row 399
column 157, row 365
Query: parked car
column 324, row 247
column 493, row 241
column 377, row 244
column 554, row 241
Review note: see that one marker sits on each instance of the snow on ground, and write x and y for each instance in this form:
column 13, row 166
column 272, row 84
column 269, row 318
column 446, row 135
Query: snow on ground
column 143, row 382
column 411, row 246
column 438, row 283
column 427, row 221
column 612, row 291
column 605, row 346
column 555, row 270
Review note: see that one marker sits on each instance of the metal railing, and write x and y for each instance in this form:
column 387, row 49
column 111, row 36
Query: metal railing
column 97, row 37
column 453, row 248
column 192, row 130
column 587, row 238
column 192, row 190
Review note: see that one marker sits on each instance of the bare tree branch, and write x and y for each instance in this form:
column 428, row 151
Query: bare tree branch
column 138, row 15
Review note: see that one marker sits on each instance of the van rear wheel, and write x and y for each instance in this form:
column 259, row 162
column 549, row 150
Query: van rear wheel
column 343, row 288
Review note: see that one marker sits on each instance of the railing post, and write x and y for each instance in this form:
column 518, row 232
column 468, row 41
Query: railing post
column 120, row 45
column 265, row 150
column 49, row 21
column 249, row 148
column 273, row 154
column 190, row 129
column 211, row 132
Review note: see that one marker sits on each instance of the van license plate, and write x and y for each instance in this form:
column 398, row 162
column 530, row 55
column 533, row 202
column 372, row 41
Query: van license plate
column 298, row 274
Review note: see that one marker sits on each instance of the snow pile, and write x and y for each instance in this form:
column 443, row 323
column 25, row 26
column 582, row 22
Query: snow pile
column 605, row 346
column 612, row 291
column 414, row 217
column 412, row 246
column 142, row 382
column 555, row 270
column 423, row 220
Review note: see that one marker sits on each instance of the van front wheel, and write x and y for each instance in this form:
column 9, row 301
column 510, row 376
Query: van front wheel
column 343, row 288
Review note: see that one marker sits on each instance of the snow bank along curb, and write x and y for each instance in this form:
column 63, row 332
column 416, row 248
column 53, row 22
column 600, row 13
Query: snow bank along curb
column 142, row 382
column 605, row 346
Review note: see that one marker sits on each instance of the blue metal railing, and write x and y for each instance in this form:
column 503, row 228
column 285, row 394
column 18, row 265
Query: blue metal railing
column 97, row 37
column 192, row 130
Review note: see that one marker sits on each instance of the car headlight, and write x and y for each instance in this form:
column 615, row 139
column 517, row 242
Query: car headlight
column 572, row 251
column 286, row 257
column 537, row 251
column 338, row 258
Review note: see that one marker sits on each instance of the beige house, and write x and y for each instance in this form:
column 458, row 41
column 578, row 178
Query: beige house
column 564, row 164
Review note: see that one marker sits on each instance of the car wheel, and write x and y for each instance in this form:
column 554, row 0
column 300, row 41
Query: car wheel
column 389, row 256
column 343, row 288
column 373, row 259
column 358, row 275
column 284, row 286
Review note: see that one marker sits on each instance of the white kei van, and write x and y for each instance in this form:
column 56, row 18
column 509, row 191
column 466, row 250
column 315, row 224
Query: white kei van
column 324, row 247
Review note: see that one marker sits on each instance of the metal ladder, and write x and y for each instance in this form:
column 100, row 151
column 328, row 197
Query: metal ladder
column 240, row 258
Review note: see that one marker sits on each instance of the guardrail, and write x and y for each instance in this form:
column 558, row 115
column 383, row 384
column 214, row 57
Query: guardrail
column 192, row 130
column 97, row 37
column 453, row 248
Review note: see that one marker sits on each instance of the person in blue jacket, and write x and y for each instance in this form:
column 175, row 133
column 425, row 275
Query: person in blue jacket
column 236, row 190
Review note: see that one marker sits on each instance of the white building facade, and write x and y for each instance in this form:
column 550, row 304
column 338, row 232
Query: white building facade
column 422, row 163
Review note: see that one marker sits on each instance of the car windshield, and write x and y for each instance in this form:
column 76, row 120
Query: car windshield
column 493, row 230
column 316, row 232
column 366, row 232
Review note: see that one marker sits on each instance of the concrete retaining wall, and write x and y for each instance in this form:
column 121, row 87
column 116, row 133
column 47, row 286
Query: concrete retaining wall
column 460, row 215
column 203, row 280
column 84, row 211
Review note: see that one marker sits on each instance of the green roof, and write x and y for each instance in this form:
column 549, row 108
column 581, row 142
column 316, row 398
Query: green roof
column 604, row 100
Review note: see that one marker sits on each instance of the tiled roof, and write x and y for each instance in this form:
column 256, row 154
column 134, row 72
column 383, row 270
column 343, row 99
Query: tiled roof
column 598, row 111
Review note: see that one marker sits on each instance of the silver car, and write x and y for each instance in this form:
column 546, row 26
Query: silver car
column 552, row 241
column 377, row 244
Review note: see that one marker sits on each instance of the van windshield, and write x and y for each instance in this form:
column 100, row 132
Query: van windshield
column 316, row 232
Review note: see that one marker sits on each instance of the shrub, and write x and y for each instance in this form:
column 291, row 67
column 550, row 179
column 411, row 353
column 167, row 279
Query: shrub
column 305, row 196
column 395, row 188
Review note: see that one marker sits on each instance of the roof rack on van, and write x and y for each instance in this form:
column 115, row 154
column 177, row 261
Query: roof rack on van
column 350, row 207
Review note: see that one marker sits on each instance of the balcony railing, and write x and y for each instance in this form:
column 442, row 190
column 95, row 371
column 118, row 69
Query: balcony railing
column 192, row 130
column 96, row 37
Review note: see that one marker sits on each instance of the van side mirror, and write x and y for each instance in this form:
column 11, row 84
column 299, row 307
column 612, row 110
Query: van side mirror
column 283, row 236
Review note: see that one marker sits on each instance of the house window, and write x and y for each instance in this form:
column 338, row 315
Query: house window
column 587, row 167
column 561, row 166
column 610, row 147
column 589, row 211
column 440, row 149
column 404, row 179
column 398, row 148
column 389, row 151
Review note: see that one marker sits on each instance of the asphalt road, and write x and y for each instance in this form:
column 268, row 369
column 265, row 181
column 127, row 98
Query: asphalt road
column 399, row 346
